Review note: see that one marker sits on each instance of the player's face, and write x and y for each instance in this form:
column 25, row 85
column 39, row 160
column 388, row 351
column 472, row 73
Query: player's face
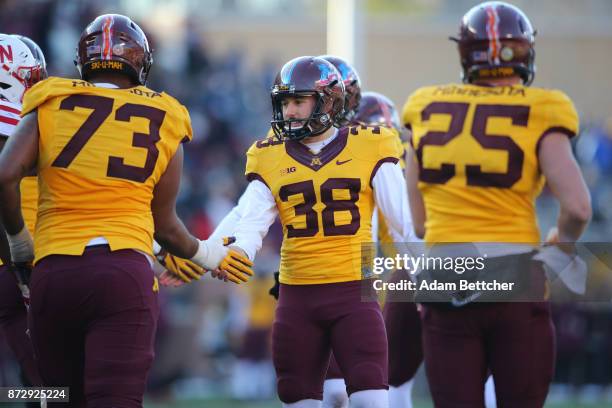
column 298, row 107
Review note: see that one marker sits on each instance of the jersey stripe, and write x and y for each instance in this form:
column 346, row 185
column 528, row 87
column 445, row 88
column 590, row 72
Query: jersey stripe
column 107, row 39
column 10, row 121
column 9, row 117
column 10, row 109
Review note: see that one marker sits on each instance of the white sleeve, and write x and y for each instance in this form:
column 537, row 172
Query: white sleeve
column 391, row 197
column 257, row 214
column 227, row 226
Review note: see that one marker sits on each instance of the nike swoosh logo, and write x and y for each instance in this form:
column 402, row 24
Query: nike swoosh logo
column 338, row 162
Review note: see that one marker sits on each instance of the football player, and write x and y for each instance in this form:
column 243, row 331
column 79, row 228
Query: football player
column 23, row 65
column 108, row 153
column 334, row 387
column 323, row 183
column 401, row 316
column 480, row 154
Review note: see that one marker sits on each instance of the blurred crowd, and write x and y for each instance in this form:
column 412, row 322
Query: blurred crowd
column 213, row 337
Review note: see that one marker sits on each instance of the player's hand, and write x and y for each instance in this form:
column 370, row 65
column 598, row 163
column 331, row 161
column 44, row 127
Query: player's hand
column 213, row 254
column 237, row 265
column 169, row 280
column 183, row 269
column 219, row 274
column 275, row 290
column 552, row 238
column 22, row 272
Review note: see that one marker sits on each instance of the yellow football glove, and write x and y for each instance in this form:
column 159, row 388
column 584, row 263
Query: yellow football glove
column 238, row 267
column 184, row 269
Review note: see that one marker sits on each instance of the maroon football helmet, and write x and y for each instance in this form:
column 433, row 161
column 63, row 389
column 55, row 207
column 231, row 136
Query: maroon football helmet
column 376, row 109
column 114, row 43
column 496, row 40
column 352, row 87
column 305, row 76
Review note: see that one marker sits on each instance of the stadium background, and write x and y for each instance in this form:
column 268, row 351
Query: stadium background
column 219, row 58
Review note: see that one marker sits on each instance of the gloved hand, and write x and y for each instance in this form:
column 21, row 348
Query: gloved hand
column 183, row 269
column 213, row 254
column 274, row 290
column 169, row 280
column 22, row 272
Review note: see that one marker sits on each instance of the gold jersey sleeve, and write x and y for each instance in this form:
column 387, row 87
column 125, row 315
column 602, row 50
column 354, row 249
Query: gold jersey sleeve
column 325, row 201
column 101, row 153
column 477, row 151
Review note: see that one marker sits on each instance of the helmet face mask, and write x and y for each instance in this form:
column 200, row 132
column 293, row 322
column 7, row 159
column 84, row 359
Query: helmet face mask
column 40, row 72
column 19, row 69
column 299, row 127
column 496, row 40
column 307, row 76
column 114, row 43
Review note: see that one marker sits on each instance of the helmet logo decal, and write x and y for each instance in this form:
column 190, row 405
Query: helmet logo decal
column 6, row 52
column 493, row 34
column 480, row 56
column 91, row 50
column 326, row 74
column 507, row 54
column 286, row 73
column 107, row 42
column 118, row 49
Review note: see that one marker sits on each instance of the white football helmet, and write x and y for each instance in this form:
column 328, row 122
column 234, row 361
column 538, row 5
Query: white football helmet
column 18, row 68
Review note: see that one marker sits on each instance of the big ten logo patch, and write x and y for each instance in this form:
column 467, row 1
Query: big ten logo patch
column 6, row 54
column 288, row 170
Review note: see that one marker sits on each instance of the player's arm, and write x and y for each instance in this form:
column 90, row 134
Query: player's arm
column 417, row 206
column 567, row 184
column 391, row 198
column 257, row 217
column 17, row 158
column 170, row 231
column 5, row 253
column 172, row 235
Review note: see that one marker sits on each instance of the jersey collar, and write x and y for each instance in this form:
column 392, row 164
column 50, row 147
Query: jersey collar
column 303, row 155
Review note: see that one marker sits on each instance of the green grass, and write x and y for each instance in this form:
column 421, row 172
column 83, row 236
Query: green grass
column 226, row 403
